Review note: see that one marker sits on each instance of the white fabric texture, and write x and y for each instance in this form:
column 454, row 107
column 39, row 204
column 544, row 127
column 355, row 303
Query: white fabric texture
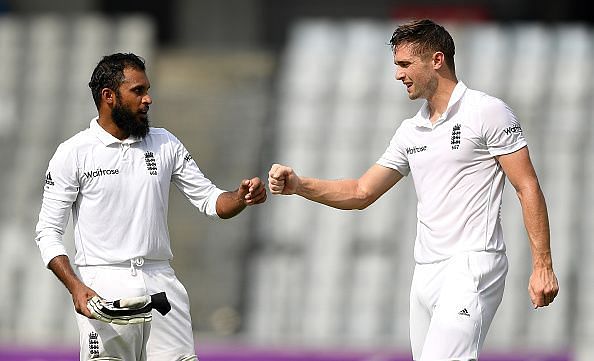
column 458, row 181
column 118, row 192
column 452, row 305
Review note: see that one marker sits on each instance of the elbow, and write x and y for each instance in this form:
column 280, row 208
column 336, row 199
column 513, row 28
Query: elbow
column 528, row 188
column 364, row 199
column 363, row 206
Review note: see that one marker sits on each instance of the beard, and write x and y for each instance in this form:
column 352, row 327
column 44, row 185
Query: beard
column 130, row 122
column 425, row 89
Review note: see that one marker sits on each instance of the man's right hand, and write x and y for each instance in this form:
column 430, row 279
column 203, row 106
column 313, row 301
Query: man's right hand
column 60, row 265
column 282, row 180
column 81, row 294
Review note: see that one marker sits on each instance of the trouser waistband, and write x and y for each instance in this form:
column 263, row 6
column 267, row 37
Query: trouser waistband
column 134, row 263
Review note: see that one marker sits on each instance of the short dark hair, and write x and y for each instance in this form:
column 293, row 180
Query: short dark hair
column 425, row 36
column 109, row 72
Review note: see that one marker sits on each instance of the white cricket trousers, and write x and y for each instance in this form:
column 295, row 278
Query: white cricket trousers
column 165, row 338
column 452, row 304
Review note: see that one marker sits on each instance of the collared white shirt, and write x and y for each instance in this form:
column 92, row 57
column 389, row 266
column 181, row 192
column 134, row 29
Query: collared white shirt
column 118, row 192
column 458, row 181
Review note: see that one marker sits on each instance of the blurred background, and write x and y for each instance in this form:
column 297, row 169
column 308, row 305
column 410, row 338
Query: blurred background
column 246, row 83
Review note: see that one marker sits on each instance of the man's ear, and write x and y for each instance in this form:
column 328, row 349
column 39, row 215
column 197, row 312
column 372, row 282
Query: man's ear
column 108, row 96
column 438, row 60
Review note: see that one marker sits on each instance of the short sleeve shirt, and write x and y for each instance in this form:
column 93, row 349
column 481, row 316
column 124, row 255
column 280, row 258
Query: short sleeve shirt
column 458, row 181
column 119, row 192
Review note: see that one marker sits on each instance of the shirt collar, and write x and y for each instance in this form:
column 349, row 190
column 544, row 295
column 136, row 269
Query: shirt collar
column 421, row 119
column 106, row 138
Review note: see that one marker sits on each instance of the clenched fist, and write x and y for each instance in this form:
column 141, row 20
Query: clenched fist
column 252, row 191
column 282, row 180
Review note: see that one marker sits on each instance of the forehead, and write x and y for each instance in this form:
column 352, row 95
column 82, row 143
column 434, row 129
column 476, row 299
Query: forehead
column 404, row 52
column 134, row 77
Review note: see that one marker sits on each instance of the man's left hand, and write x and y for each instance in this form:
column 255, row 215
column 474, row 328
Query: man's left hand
column 543, row 287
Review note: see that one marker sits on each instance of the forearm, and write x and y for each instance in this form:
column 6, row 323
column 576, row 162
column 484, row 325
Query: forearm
column 341, row 194
column 542, row 285
column 230, row 204
column 60, row 266
column 536, row 221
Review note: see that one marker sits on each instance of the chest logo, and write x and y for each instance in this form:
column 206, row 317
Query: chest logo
column 151, row 163
column 415, row 149
column 100, row 172
column 455, row 140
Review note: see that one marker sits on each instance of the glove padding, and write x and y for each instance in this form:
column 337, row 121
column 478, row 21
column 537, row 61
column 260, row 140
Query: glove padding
column 128, row 310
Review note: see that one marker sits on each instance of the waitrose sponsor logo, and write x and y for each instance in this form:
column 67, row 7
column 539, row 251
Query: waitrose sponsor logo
column 100, row 172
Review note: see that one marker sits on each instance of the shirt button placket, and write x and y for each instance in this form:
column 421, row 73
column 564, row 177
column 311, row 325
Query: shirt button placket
column 124, row 150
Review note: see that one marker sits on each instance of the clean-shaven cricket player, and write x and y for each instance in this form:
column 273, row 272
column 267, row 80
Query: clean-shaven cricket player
column 115, row 177
column 458, row 148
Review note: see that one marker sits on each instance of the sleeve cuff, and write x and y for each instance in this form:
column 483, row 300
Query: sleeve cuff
column 385, row 163
column 50, row 251
column 508, row 149
column 211, row 208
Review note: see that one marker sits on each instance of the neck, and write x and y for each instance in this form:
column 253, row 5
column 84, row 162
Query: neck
column 107, row 123
column 438, row 102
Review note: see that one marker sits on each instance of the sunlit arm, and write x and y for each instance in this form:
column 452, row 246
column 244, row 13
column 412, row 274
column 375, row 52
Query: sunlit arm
column 250, row 192
column 341, row 194
column 543, row 286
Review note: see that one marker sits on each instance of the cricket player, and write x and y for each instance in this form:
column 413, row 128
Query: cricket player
column 459, row 148
column 115, row 177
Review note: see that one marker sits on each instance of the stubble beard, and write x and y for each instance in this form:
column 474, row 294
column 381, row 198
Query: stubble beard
column 424, row 91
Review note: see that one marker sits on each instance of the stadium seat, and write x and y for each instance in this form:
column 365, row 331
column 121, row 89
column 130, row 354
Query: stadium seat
column 483, row 46
column 11, row 34
column 574, row 49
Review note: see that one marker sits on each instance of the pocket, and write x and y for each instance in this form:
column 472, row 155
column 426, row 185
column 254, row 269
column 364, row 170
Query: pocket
column 489, row 269
column 474, row 269
column 459, row 291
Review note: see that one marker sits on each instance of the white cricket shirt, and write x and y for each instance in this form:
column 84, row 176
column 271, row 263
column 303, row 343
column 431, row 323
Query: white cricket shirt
column 118, row 192
column 459, row 183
